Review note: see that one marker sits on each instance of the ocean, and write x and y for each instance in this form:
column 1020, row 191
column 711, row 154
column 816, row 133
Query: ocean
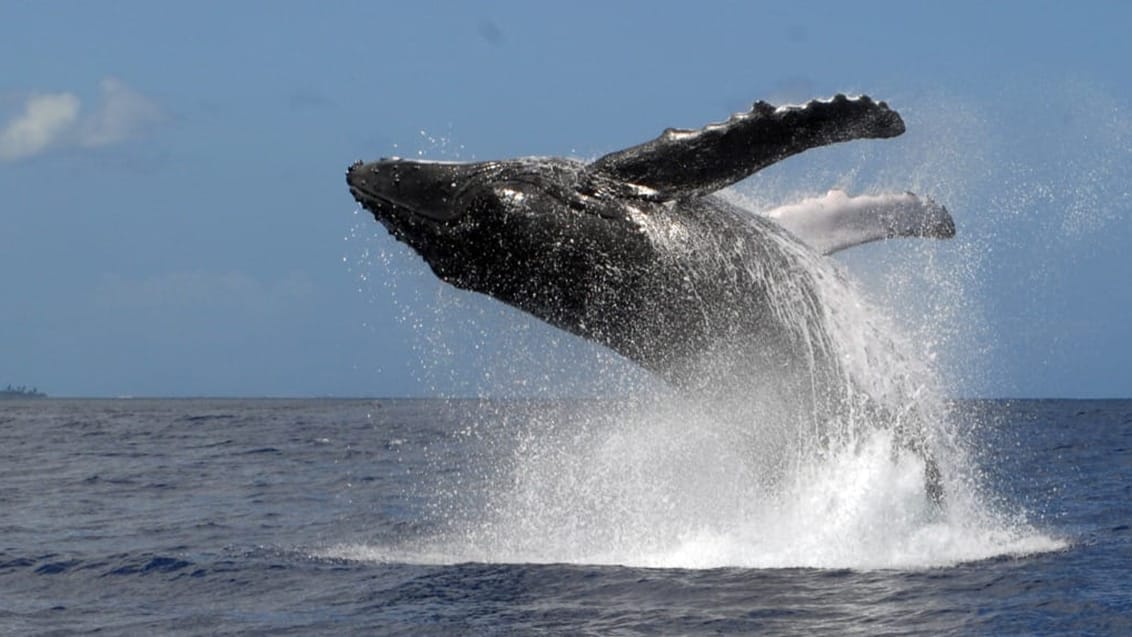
column 562, row 517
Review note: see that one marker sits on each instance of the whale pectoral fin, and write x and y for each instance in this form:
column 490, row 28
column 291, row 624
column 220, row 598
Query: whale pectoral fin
column 837, row 221
column 691, row 163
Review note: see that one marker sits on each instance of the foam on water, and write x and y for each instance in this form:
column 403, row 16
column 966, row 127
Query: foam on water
column 661, row 486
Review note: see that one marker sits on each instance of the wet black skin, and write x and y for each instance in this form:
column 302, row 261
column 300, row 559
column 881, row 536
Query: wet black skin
column 548, row 237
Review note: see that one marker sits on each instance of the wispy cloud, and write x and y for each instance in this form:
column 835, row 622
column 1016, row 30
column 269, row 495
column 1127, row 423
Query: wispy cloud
column 123, row 113
column 55, row 120
column 45, row 119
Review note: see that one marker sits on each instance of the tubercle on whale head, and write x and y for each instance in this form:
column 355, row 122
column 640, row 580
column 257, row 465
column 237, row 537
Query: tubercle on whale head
column 429, row 189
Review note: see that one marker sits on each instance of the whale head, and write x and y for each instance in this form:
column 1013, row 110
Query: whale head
column 536, row 233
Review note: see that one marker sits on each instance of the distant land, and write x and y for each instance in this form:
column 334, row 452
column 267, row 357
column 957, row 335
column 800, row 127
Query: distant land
column 21, row 392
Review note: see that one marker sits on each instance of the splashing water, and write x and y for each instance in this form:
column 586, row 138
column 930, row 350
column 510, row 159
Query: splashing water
column 659, row 479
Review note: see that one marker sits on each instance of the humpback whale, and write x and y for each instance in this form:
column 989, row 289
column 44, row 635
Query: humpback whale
column 637, row 250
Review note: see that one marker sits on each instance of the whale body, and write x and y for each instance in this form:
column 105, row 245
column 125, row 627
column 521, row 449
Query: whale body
column 637, row 251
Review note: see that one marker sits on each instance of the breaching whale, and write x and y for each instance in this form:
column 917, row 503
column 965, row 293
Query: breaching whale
column 637, row 251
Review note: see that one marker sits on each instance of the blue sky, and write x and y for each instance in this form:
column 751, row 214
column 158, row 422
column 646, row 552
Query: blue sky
column 173, row 217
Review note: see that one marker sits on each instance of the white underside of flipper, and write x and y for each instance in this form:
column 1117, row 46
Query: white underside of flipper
column 837, row 221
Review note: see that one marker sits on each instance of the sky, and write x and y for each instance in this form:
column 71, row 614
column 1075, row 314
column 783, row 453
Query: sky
column 174, row 219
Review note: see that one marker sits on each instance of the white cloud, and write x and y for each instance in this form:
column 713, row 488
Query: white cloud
column 123, row 113
column 54, row 121
column 46, row 118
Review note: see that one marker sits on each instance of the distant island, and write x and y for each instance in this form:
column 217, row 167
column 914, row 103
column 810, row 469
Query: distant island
column 21, row 392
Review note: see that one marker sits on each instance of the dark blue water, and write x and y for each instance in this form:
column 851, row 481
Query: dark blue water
column 365, row 517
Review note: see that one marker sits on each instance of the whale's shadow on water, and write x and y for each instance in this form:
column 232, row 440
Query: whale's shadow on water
column 787, row 370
